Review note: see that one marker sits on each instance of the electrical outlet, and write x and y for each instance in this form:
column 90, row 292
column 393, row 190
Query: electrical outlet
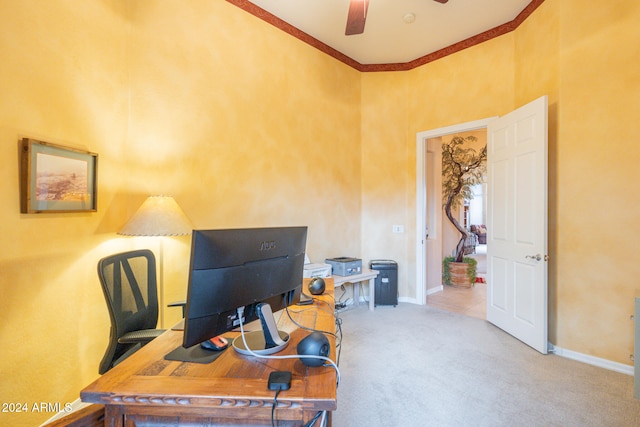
column 398, row 229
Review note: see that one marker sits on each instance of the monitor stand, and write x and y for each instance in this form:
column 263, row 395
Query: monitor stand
column 193, row 354
column 269, row 340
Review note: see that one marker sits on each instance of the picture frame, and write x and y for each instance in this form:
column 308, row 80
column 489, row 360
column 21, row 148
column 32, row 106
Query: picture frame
column 54, row 178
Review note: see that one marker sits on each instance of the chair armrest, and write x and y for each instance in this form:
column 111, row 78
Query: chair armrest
column 142, row 336
column 182, row 304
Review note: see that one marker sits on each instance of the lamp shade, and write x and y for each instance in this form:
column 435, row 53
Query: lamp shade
column 158, row 216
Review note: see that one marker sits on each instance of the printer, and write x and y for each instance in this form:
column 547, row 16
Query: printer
column 313, row 270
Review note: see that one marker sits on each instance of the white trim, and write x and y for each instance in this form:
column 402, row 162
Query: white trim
column 421, row 148
column 435, row 290
column 409, row 300
column 75, row 406
column 421, row 145
column 591, row 360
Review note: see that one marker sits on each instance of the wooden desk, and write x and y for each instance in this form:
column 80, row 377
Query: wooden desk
column 148, row 390
column 366, row 275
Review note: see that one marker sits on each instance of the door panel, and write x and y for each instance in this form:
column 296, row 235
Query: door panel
column 499, row 184
column 517, row 229
column 497, row 288
column 525, row 294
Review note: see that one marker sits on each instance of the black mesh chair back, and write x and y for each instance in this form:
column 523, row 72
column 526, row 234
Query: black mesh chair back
column 129, row 284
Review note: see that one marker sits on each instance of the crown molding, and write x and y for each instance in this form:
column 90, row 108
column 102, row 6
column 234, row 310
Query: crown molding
column 260, row 13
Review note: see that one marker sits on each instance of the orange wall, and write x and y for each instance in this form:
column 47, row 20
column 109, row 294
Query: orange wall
column 584, row 59
column 241, row 123
column 473, row 84
column 62, row 80
column 386, row 172
column 246, row 126
column 597, row 186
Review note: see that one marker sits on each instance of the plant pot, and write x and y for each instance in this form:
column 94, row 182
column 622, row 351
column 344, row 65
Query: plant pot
column 460, row 274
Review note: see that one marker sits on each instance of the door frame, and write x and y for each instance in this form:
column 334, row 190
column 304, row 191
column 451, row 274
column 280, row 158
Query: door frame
column 421, row 195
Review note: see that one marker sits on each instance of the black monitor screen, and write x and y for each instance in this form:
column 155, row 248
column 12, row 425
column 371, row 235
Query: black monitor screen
column 240, row 268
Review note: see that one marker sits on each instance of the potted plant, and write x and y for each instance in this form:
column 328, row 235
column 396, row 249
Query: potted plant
column 462, row 167
column 459, row 274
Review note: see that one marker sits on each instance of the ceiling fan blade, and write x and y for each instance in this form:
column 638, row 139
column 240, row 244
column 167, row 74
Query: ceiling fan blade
column 441, row 1
column 356, row 17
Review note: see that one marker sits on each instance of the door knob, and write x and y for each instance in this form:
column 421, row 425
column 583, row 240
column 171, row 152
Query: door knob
column 537, row 257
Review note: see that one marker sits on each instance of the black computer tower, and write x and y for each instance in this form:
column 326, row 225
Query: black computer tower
column 386, row 291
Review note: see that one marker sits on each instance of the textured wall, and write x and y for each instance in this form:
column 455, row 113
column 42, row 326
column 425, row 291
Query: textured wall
column 584, row 60
column 62, row 80
column 597, row 186
column 385, row 173
column 246, row 126
column 242, row 124
column 469, row 85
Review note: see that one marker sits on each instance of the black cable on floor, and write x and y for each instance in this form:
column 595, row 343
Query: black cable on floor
column 339, row 343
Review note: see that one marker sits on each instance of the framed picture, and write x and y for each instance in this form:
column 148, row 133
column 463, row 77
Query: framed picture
column 54, row 178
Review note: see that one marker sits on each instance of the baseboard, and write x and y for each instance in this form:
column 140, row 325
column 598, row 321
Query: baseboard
column 591, row 360
column 434, row 290
column 415, row 301
column 74, row 406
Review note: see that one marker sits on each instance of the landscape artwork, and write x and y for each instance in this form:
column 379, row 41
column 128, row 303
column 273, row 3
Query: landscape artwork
column 55, row 178
column 61, row 178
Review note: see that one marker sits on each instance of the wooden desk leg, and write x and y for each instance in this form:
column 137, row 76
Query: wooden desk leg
column 113, row 416
column 372, row 294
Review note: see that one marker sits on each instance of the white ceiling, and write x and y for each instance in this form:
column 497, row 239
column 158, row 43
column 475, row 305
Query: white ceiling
column 387, row 39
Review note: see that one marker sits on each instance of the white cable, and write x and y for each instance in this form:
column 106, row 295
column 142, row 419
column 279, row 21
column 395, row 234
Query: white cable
column 240, row 311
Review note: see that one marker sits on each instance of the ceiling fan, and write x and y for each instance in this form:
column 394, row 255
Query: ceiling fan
column 358, row 14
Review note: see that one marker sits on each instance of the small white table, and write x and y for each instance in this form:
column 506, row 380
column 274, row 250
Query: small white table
column 366, row 275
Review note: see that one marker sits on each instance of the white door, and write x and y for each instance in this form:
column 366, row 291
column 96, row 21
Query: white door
column 517, row 224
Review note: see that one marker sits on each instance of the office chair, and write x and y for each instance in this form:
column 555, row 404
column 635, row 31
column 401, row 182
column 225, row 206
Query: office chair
column 129, row 284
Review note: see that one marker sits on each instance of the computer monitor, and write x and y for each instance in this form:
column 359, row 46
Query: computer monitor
column 259, row 270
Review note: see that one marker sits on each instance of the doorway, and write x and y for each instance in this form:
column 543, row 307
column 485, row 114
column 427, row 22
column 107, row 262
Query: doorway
column 517, row 295
column 472, row 217
column 437, row 237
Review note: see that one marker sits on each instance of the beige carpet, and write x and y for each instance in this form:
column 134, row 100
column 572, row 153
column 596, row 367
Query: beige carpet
column 419, row 366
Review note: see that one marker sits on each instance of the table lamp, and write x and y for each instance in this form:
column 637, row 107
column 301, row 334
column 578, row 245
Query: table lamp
column 158, row 216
